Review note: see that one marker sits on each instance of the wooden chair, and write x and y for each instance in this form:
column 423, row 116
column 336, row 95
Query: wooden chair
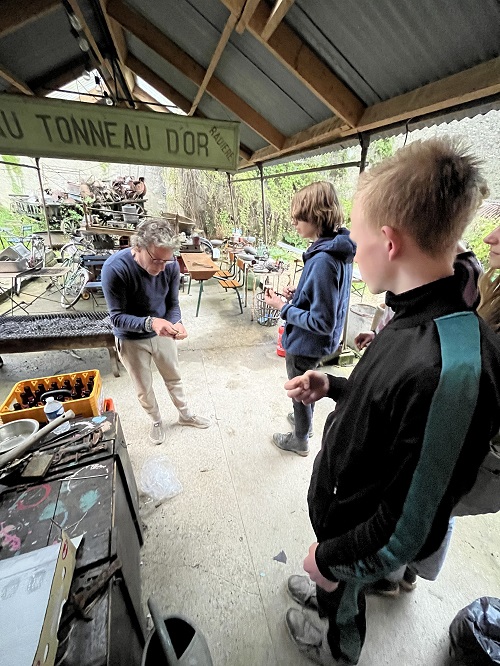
column 235, row 280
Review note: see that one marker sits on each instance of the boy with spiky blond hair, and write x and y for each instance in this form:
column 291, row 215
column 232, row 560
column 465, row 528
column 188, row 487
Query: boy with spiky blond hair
column 413, row 422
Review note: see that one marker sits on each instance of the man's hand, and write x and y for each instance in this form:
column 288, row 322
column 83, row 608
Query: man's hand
column 182, row 333
column 166, row 329
column 308, row 388
column 288, row 292
column 315, row 574
column 272, row 299
column 364, row 339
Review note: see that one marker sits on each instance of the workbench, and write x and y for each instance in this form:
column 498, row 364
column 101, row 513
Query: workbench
column 94, row 496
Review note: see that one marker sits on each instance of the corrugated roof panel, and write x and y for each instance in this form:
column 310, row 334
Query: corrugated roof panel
column 33, row 51
column 287, row 83
column 196, row 29
column 186, row 26
column 164, row 69
column 385, row 48
column 209, row 106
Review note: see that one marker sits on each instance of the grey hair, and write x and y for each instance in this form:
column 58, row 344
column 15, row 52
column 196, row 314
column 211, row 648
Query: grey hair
column 155, row 231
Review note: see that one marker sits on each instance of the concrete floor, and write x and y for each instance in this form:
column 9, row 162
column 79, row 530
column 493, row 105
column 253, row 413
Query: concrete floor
column 209, row 551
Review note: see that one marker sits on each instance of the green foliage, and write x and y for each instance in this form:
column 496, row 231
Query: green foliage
column 15, row 173
column 474, row 235
column 381, row 149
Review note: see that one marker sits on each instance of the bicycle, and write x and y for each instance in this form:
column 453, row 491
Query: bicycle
column 72, row 284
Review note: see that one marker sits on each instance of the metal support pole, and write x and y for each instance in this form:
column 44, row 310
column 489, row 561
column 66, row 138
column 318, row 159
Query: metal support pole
column 264, row 222
column 364, row 142
column 231, row 196
column 39, row 172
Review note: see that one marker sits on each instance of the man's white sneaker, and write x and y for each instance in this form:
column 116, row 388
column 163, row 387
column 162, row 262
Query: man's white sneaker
column 157, row 434
column 194, row 421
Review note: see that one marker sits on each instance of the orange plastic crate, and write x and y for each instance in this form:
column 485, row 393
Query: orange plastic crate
column 91, row 406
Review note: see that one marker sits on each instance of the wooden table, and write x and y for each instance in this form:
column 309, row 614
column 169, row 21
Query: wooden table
column 200, row 267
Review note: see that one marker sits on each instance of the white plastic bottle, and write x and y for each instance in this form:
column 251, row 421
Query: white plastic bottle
column 53, row 408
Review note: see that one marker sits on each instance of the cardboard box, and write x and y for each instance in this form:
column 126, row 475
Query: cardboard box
column 33, row 590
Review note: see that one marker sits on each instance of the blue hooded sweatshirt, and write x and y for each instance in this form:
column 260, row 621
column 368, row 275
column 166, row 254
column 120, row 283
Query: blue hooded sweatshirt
column 315, row 317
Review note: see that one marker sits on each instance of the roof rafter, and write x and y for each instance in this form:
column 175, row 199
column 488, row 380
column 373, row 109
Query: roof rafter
column 157, row 82
column 472, row 84
column 322, row 133
column 166, row 89
column 21, row 86
column 277, row 15
column 150, row 101
column 116, row 33
column 224, row 38
column 291, row 51
column 246, row 15
column 105, row 67
column 152, row 37
column 16, row 14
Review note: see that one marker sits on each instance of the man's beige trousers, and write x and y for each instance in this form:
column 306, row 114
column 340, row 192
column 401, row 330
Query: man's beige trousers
column 137, row 356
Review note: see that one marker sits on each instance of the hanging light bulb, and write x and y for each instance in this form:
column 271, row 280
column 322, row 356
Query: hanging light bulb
column 75, row 23
column 83, row 44
column 86, row 75
column 108, row 99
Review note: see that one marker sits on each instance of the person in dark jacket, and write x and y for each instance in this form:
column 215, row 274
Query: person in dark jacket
column 316, row 310
column 413, row 422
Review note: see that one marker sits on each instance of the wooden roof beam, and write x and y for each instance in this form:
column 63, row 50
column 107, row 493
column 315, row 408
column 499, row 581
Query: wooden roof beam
column 472, row 84
column 246, row 15
column 159, row 84
column 224, row 38
column 321, row 134
column 17, row 14
column 277, row 15
column 116, row 32
column 105, row 65
column 19, row 85
column 150, row 101
column 292, row 52
column 152, row 37
column 166, row 89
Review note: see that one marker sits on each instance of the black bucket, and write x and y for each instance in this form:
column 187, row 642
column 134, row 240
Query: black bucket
column 187, row 645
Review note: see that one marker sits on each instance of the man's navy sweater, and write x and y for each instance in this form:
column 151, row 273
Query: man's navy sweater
column 132, row 294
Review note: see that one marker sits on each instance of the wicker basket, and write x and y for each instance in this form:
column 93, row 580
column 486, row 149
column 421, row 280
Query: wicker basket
column 265, row 315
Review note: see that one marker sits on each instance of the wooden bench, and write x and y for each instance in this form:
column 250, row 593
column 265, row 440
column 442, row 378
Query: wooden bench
column 47, row 332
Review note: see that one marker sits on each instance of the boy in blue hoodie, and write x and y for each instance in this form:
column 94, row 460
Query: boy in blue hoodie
column 316, row 310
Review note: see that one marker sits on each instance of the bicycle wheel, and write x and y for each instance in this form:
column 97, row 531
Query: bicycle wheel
column 73, row 286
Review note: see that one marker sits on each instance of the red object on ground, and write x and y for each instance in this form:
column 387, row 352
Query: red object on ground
column 279, row 349
column 109, row 405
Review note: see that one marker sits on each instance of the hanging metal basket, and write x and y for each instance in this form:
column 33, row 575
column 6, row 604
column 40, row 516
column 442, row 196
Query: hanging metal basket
column 265, row 315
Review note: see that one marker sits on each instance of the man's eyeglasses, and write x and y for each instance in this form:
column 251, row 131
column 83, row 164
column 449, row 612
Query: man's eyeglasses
column 160, row 262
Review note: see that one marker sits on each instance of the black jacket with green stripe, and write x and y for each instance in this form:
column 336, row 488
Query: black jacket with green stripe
column 388, row 475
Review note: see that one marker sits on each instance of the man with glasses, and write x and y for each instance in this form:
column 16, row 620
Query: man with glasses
column 141, row 287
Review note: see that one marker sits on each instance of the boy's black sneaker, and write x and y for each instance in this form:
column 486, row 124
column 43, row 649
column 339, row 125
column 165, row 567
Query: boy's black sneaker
column 409, row 581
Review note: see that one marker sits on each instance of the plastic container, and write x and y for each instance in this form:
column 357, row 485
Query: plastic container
column 53, row 408
column 91, row 406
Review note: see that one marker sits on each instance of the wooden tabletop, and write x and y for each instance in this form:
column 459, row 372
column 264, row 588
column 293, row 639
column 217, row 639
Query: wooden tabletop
column 199, row 265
